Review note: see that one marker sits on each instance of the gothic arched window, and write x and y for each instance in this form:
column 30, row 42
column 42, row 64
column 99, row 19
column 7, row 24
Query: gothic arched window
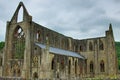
column 81, row 48
column 52, row 64
column 75, row 67
column 102, row 66
column 35, row 75
column 90, row 46
column 18, row 43
column 101, row 45
column 69, row 67
column 38, row 36
column 91, row 67
column 62, row 64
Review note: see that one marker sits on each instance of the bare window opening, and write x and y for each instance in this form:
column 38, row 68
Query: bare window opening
column 102, row 67
column 35, row 75
column 91, row 67
column 52, row 64
column 35, row 48
column 75, row 67
column 90, row 46
column 101, row 45
column 0, row 61
column 20, row 15
column 81, row 48
column 62, row 64
column 69, row 67
column 38, row 36
column 76, row 48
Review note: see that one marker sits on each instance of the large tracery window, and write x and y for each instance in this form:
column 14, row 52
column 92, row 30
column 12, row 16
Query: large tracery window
column 102, row 67
column 18, row 43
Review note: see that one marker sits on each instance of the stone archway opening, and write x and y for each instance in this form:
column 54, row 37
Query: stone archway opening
column 35, row 75
column 18, row 43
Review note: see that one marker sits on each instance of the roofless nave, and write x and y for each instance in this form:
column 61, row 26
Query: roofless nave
column 33, row 51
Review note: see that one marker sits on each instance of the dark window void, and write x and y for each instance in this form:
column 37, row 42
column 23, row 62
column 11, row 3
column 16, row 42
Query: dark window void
column 62, row 64
column 69, row 67
column 101, row 45
column 91, row 67
column 90, row 46
column 0, row 61
column 75, row 67
column 38, row 36
column 81, row 48
column 52, row 64
column 35, row 75
column 102, row 66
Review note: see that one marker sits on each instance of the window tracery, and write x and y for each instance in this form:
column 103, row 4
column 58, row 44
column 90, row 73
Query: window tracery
column 18, row 43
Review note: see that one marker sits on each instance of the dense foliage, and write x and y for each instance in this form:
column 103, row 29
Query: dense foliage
column 117, row 45
column 2, row 45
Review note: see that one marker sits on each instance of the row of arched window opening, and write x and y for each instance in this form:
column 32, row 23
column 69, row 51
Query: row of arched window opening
column 62, row 65
column 102, row 66
column 65, row 44
column 91, row 46
column 53, row 40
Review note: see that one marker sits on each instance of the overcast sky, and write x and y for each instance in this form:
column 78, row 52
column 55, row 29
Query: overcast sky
column 79, row 19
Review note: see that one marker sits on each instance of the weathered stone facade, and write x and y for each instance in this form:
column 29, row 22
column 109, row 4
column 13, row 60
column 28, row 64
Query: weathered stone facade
column 46, row 54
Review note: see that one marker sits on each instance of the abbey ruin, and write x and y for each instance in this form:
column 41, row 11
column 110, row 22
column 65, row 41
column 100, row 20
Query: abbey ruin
column 33, row 51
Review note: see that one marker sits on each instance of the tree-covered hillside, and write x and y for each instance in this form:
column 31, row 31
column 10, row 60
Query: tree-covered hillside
column 117, row 45
column 2, row 45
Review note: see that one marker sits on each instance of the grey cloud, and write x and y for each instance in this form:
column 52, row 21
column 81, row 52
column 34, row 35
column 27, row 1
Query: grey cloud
column 75, row 18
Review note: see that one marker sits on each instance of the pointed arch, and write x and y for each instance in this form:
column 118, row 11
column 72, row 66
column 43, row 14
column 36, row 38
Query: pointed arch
column 90, row 46
column 18, row 43
column 38, row 35
column 20, row 15
column 101, row 45
column 52, row 64
column 91, row 67
column 26, row 16
column 102, row 66
column 35, row 75
column 81, row 48
column 69, row 67
column 76, row 67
